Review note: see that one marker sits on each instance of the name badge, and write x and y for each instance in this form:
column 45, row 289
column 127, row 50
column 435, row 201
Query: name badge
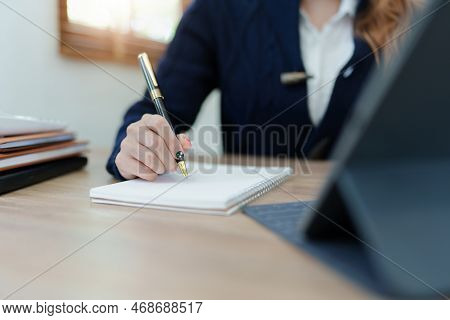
column 289, row 78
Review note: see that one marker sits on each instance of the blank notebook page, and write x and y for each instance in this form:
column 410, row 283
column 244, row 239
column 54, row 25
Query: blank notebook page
column 212, row 189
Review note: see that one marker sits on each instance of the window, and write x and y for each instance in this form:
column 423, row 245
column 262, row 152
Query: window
column 118, row 30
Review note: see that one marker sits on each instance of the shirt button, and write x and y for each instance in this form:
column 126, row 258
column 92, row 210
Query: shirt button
column 348, row 72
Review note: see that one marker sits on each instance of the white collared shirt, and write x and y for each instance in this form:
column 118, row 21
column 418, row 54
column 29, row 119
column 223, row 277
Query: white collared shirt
column 325, row 52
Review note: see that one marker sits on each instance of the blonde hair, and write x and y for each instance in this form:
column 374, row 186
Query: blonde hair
column 382, row 23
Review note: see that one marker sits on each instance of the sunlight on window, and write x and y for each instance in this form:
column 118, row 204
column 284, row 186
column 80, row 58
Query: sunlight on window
column 153, row 19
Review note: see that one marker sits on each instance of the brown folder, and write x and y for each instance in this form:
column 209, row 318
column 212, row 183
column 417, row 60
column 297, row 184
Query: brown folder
column 23, row 142
column 62, row 150
column 40, row 149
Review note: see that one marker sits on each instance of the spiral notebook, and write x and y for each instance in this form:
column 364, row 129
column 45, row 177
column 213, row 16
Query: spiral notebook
column 209, row 189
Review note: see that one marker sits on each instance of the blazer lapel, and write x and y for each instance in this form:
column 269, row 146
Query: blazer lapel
column 284, row 19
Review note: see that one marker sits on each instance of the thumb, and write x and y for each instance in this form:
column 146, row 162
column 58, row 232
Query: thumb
column 185, row 141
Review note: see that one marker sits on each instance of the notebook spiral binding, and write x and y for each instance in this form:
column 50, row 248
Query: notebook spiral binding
column 262, row 188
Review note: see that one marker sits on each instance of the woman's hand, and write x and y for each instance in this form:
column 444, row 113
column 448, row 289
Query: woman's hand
column 149, row 149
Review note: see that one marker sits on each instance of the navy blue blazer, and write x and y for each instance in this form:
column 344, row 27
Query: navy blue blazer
column 242, row 47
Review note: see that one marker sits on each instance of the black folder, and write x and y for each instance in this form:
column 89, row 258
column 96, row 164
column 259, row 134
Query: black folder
column 23, row 177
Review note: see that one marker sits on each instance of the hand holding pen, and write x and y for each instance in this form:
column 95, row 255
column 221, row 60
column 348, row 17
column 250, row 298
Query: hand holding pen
column 151, row 147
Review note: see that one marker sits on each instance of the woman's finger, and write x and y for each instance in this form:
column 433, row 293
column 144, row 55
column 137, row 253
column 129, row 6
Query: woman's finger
column 138, row 169
column 185, row 141
column 145, row 155
column 161, row 127
column 150, row 140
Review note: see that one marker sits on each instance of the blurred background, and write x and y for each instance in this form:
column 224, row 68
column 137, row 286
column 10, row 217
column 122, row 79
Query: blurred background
column 75, row 61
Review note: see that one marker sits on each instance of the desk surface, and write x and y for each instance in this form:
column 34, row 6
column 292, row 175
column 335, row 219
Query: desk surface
column 73, row 249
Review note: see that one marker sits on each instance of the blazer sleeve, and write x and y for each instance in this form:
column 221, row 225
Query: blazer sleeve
column 186, row 74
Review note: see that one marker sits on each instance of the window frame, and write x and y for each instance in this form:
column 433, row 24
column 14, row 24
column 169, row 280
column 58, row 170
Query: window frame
column 79, row 41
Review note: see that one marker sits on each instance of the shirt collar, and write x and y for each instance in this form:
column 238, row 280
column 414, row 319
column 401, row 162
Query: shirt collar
column 348, row 7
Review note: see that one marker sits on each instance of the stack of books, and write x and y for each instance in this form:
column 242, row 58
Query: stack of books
column 33, row 150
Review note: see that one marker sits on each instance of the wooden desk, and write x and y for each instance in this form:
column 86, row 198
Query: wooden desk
column 151, row 254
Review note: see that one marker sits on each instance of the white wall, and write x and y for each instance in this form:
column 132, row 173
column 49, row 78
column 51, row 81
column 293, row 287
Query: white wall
column 35, row 80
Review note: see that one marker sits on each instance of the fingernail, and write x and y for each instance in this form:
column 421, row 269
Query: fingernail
column 189, row 141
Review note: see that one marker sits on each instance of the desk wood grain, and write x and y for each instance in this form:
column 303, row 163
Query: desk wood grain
column 74, row 249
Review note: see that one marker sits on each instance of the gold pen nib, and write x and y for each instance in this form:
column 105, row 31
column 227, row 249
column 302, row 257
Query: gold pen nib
column 182, row 166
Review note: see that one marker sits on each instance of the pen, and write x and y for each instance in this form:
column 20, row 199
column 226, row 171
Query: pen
column 158, row 101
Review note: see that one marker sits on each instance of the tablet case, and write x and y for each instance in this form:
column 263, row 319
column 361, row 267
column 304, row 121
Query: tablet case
column 23, row 177
column 345, row 255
